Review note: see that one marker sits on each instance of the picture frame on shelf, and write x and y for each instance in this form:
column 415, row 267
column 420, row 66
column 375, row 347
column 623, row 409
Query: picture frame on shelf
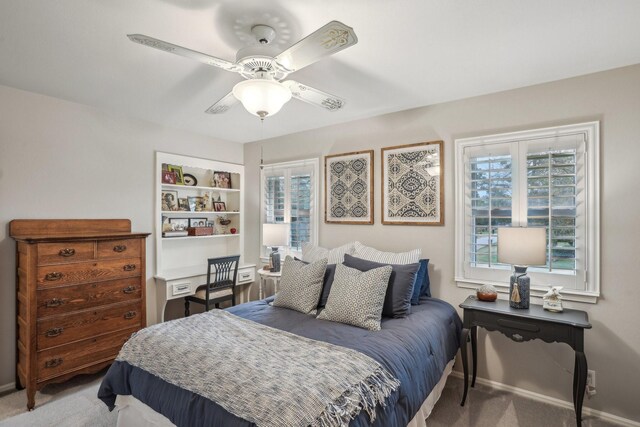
column 169, row 177
column 196, row 203
column 169, row 200
column 183, row 204
column 418, row 168
column 197, row 222
column 179, row 224
column 222, row 179
column 219, row 206
column 178, row 172
column 348, row 189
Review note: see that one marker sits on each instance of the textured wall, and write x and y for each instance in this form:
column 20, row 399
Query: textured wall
column 64, row 160
column 613, row 97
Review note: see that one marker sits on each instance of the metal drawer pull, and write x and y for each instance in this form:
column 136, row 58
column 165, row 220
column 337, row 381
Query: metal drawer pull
column 120, row 248
column 54, row 302
column 130, row 315
column 53, row 332
column 52, row 277
column 129, row 267
column 517, row 337
column 67, row 252
column 129, row 289
column 53, row 363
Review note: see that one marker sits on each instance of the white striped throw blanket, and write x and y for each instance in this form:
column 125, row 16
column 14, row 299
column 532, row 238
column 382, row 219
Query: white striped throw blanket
column 263, row 375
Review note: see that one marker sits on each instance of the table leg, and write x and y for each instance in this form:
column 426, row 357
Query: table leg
column 580, row 372
column 474, row 352
column 575, row 381
column 261, row 290
column 465, row 363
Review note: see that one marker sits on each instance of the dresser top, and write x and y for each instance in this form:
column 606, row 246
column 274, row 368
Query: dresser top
column 571, row 317
column 52, row 230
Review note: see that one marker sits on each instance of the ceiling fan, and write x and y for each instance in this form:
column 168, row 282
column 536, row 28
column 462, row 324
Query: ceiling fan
column 264, row 93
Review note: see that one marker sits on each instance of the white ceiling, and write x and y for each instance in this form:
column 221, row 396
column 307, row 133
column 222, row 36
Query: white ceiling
column 410, row 53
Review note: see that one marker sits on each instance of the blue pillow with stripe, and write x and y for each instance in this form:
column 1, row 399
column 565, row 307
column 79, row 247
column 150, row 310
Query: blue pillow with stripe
column 421, row 285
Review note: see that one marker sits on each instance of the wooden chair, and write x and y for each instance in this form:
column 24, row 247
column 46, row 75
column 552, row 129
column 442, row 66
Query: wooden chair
column 220, row 287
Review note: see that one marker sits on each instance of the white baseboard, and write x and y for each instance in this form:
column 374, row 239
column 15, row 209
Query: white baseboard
column 586, row 411
column 7, row 387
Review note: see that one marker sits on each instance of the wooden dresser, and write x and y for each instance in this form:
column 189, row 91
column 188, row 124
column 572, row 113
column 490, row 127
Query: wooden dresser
column 80, row 295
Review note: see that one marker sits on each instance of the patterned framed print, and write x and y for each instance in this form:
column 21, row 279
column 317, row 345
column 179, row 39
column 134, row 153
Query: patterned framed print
column 348, row 188
column 413, row 184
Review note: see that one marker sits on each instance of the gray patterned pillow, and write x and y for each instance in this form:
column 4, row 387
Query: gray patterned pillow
column 311, row 253
column 357, row 297
column 300, row 285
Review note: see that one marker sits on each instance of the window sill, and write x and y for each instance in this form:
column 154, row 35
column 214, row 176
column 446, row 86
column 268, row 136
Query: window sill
column 536, row 291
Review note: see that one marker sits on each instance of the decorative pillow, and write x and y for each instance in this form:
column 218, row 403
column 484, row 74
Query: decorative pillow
column 300, row 285
column 357, row 297
column 326, row 283
column 311, row 253
column 397, row 301
column 426, row 284
column 422, row 281
column 372, row 254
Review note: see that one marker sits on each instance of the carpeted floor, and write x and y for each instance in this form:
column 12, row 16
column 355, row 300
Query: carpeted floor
column 74, row 404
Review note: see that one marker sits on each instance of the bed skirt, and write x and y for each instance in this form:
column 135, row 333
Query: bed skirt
column 134, row 413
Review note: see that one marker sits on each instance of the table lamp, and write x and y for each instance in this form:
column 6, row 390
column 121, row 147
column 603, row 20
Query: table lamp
column 274, row 236
column 521, row 247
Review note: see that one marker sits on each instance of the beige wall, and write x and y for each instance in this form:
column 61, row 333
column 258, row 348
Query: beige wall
column 613, row 97
column 64, row 160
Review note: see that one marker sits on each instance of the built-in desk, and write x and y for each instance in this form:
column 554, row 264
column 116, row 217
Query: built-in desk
column 180, row 282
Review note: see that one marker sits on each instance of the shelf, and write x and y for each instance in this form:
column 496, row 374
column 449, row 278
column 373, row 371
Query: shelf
column 198, row 187
column 214, row 236
column 189, row 213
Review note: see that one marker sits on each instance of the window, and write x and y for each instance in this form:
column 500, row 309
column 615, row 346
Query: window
column 541, row 178
column 290, row 195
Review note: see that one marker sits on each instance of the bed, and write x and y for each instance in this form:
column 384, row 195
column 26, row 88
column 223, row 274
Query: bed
column 417, row 350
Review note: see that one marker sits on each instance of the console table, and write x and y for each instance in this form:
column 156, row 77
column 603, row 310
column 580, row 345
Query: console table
column 524, row 325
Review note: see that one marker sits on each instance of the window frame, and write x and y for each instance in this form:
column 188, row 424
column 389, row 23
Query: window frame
column 314, row 214
column 591, row 133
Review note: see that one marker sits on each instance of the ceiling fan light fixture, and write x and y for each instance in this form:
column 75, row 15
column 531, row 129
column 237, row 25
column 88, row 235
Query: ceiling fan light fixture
column 262, row 97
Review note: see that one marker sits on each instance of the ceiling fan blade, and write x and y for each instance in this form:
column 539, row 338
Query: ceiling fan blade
column 325, row 41
column 223, row 104
column 314, row 96
column 183, row 51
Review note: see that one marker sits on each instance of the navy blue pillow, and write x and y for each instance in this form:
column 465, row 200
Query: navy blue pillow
column 421, row 286
column 397, row 301
column 426, row 285
column 326, row 283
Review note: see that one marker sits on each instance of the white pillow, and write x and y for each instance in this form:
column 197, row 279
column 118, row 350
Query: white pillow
column 372, row 254
column 312, row 253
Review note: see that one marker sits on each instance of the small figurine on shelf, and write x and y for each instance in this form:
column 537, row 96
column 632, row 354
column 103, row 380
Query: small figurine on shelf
column 552, row 300
column 206, row 202
column 224, row 221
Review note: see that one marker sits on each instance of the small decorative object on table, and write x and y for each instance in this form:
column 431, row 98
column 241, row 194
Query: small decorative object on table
column 552, row 300
column 487, row 293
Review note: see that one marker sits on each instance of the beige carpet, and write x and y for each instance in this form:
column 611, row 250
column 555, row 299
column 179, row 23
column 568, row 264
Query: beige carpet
column 74, row 404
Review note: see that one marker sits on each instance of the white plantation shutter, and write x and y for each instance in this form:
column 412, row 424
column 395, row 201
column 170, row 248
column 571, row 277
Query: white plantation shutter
column 535, row 179
column 290, row 196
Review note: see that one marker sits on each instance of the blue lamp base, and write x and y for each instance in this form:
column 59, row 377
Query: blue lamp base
column 519, row 286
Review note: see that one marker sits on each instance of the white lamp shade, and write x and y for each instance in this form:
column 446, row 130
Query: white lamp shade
column 275, row 234
column 262, row 97
column 522, row 246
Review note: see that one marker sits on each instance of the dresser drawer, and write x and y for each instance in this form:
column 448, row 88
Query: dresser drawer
column 64, row 299
column 246, row 275
column 520, row 329
column 58, row 330
column 59, row 360
column 57, row 275
column 60, row 253
column 119, row 248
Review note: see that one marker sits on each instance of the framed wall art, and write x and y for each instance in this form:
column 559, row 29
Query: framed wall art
column 348, row 189
column 412, row 184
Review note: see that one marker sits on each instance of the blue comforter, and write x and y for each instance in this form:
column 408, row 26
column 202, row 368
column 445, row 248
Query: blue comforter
column 415, row 350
